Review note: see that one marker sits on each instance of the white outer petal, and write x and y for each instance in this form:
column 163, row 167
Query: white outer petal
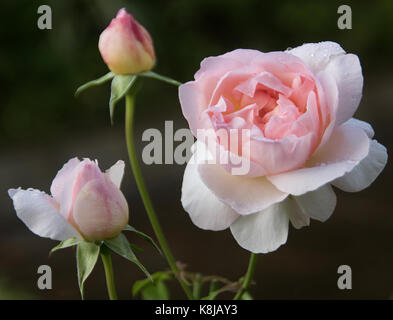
column 205, row 210
column 37, row 212
column 116, row 172
column 368, row 129
column 298, row 218
column 317, row 55
column 318, row 204
column 264, row 231
column 366, row 171
column 244, row 195
column 62, row 177
column 347, row 72
column 347, row 146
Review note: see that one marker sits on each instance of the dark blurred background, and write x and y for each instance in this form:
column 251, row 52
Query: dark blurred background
column 42, row 125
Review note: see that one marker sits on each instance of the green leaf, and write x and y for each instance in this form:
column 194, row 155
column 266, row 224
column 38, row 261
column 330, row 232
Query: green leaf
column 94, row 83
column 141, row 284
column 65, row 244
column 155, row 291
column 121, row 246
column 143, row 236
column 157, row 76
column 120, row 86
column 86, row 257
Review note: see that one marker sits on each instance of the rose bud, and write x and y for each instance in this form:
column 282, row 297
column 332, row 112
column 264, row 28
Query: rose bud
column 85, row 203
column 126, row 46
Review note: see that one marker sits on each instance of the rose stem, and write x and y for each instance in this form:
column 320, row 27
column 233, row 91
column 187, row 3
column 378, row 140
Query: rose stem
column 248, row 277
column 145, row 195
column 110, row 281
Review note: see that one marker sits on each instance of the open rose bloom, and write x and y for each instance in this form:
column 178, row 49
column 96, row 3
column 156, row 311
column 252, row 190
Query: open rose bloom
column 85, row 203
column 297, row 109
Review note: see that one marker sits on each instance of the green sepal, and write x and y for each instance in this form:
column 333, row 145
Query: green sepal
column 119, row 87
column 156, row 277
column 122, row 247
column 153, row 291
column 94, row 83
column 86, row 258
column 157, row 76
column 65, row 244
column 143, row 236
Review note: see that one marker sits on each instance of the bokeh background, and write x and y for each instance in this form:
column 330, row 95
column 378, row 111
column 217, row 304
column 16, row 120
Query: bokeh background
column 42, row 125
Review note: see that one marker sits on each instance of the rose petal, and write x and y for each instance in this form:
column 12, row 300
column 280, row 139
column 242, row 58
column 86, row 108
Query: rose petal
column 362, row 124
column 62, row 176
column 347, row 72
column 205, row 210
column 116, row 172
column 318, row 204
column 264, row 231
column 244, row 195
column 347, row 146
column 366, row 171
column 317, row 55
column 281, row 155
column 100, row 209
column 298, row 218
column 38, row 212
column 86, row 171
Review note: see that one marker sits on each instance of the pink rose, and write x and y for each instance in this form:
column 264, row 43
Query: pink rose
column 296, row 108
column 85, row 203
column 126, row 46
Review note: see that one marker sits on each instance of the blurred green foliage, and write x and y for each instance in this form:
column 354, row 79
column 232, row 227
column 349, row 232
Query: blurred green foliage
column 40, row 69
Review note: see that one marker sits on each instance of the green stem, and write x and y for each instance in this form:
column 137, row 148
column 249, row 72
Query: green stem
column 145, row 195
column 197, row 287
column 110, row 281
column 248, row 277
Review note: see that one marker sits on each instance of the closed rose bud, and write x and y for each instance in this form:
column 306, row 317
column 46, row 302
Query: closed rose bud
column 85, row 203
column 126, row 46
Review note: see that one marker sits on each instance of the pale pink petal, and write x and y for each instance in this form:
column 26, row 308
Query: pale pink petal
column 100, row 210
column 347, row 146
column 228, row 82
column 266, row 79
column 361, row 176
column 205, row 210
column 62, row 177
column 217, row 66
column 264, row 231
column 218, row 153
column 86, row 171
column 328, row 93
column 347, row 72
column 318, row 204
column 39, row 212
column 317, row 55
column 116, row 172
column 277, row 156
